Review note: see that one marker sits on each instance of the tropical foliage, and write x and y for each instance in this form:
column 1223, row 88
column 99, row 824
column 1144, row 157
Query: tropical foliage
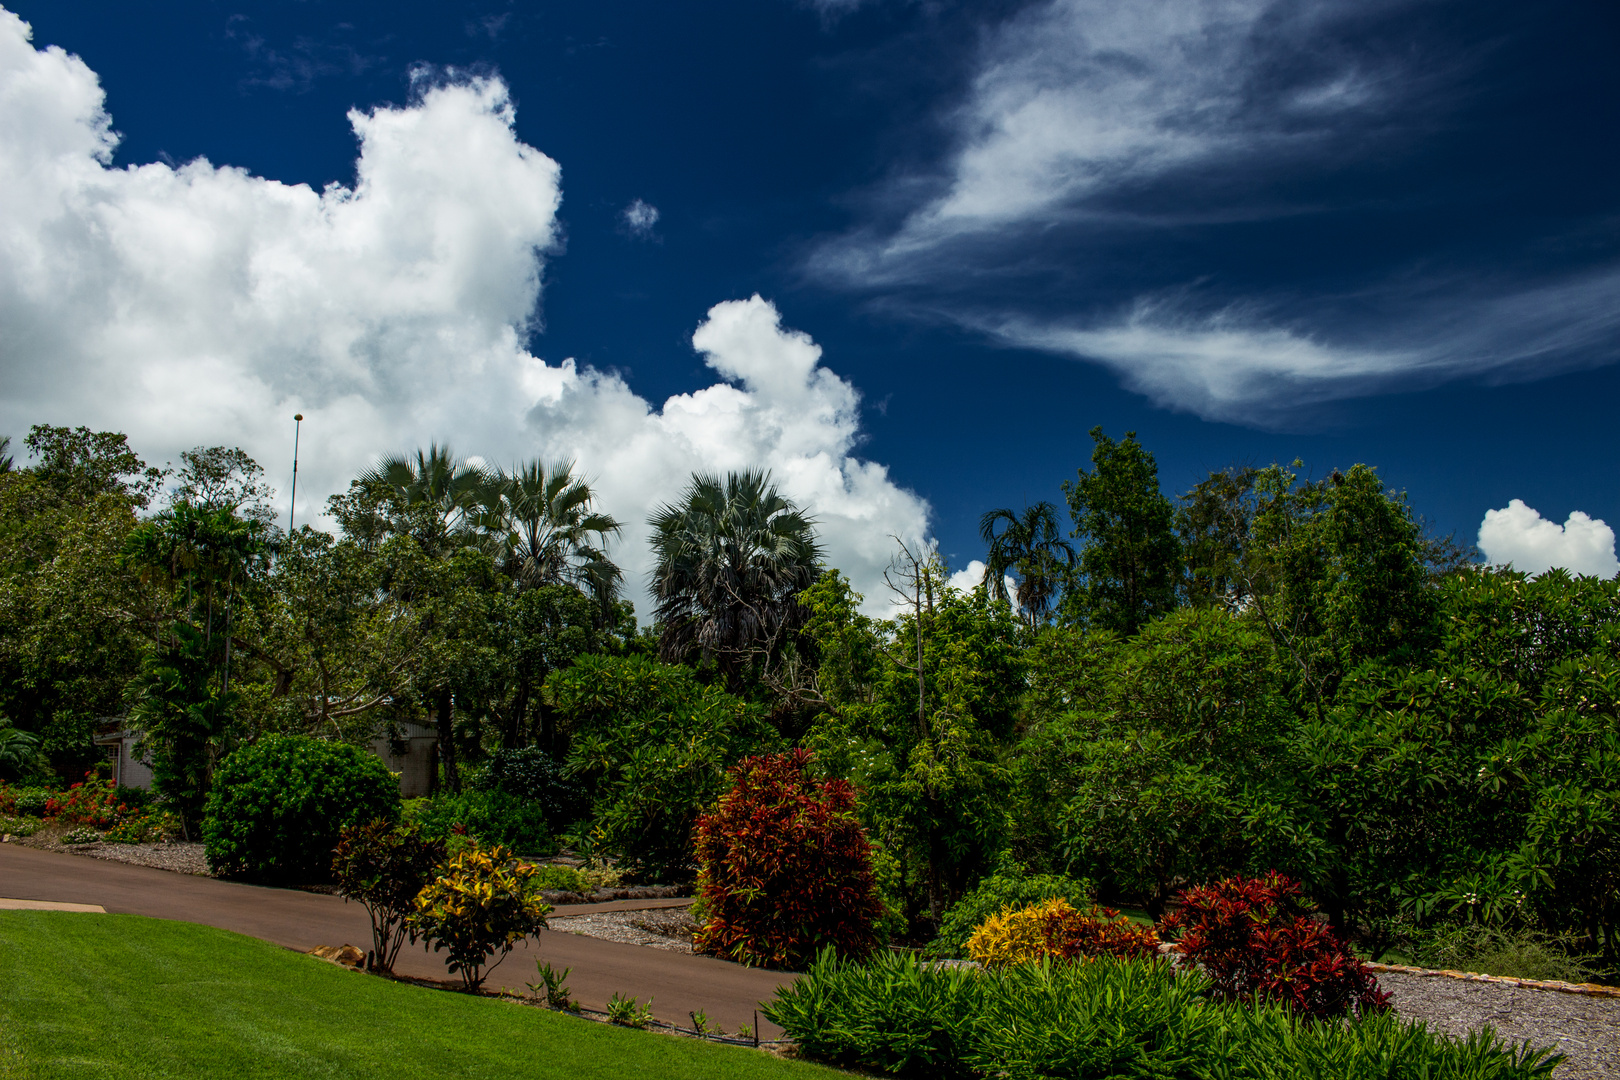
column 1272, row 671
column 786, row 870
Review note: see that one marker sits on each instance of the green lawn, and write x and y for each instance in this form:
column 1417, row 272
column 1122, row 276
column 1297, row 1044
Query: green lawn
column 123, row 996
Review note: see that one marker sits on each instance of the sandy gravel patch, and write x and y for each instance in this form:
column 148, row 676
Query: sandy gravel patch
column 660, row 928
column 1586, row 1029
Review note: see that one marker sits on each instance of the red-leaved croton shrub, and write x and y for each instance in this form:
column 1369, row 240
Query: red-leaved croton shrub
column 1255, row 938
column 785, row 869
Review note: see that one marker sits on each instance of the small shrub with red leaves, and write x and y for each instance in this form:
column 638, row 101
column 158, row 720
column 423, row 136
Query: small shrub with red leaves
column 1256, row 938
column 92, row 802
column 786, row 870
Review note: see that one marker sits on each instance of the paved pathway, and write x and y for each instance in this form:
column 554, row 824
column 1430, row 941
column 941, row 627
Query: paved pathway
column 678, row 983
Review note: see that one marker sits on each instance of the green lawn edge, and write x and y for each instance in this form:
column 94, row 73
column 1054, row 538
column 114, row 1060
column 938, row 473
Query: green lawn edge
column 114, row 996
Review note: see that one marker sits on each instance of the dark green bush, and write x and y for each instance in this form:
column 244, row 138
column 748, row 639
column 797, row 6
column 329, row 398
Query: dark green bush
column 279, row 805
column 1008, row 888
column 536, row 777
column 1106, row 1018
column 490, row 817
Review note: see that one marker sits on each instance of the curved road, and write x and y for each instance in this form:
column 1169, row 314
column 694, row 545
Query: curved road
column 678, row 983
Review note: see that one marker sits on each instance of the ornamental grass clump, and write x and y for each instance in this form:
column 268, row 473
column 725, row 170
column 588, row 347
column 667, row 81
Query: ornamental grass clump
column 786, row 870
column 1055, row 930
column 385, row 867
column 892, row 1013
column 1255, row 939
column 482, row 904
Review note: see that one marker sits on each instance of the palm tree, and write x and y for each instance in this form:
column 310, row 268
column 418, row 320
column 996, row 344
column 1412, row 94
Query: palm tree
column 435, row 494
column 545, row 531
column 733, row 556
column 1032, row 546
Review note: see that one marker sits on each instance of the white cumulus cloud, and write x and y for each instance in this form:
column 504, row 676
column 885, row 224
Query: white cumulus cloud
column 639, row 218
column 968, row 578
column 1520, row 537
column 202, row 305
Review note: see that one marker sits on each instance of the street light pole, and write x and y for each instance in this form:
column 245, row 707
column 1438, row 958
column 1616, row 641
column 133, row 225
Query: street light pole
column 292, row 510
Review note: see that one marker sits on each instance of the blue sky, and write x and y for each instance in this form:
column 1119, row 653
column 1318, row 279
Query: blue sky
column 1380, row 232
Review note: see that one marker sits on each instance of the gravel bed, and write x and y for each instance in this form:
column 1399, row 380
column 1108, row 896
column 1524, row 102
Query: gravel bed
column 659, row 928
column 1585, row 1029
column 180, row 856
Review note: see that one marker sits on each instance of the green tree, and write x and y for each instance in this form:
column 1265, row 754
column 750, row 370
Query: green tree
column 918, row 713
column 1130, row 564
column 71, row 620
column 80, row 463
column 224, row 478
column 652, row 744
column 546, row 531
column 206, row 560
column 1031, row 546
column 1163, row 760
column 432, row 496
column 732, row 557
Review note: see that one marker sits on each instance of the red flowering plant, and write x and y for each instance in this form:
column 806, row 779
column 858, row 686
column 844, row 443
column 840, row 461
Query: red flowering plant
column 1256, row 938
column 92, row 801
column 785, row 869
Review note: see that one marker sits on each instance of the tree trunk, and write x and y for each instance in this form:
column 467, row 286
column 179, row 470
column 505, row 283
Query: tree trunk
column 443, row 707
column 512, row 736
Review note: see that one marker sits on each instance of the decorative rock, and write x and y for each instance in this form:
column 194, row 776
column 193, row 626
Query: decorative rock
column 1556, row 986
column 345, row 955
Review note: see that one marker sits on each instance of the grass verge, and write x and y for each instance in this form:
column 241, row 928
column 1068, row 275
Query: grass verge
column 114, row 996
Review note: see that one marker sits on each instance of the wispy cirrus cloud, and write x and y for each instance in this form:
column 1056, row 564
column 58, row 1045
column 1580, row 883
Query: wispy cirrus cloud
column 1163, row 186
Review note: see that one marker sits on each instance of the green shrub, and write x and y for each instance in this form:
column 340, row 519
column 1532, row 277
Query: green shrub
column 489, row 817
column 562, row 879
column 28, row 801
column 1517, row 952
column 1106, row 1018
column 482, row 904
column 1008, row 888
column 628, row 1012
column 84, row 834
column 537, row 778
column 652, row 745
column 1268, row 1042
column 786, row 868
column 145, row 827
column 891, row 1013
column 279, row 805
column 19, row 826
column 385, row 868
column 1103, row 1018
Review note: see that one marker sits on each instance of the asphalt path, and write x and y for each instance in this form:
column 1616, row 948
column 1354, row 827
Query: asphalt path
column 678, row 983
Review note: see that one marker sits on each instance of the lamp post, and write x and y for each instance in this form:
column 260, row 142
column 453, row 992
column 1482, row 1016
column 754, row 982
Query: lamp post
column 292, row 510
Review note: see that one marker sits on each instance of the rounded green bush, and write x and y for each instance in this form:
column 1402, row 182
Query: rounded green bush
column 278, row 806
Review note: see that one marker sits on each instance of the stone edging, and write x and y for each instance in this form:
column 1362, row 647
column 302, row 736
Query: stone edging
column 1556, row 986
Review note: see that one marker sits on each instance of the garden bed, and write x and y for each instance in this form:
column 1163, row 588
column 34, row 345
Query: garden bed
column 670, row 928
column 180, row 856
